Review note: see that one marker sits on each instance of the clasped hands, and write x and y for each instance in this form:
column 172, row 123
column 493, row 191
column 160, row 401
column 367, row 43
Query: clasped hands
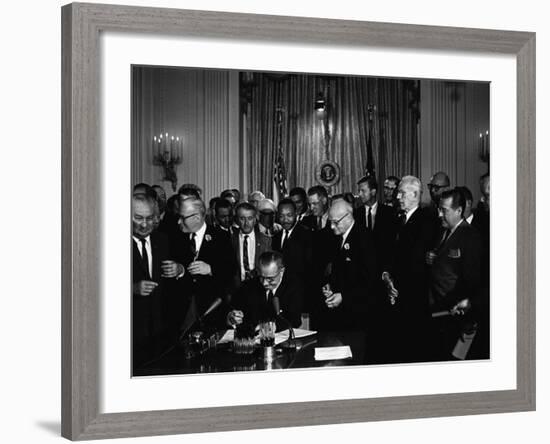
column 172, row 269
column 332, row 300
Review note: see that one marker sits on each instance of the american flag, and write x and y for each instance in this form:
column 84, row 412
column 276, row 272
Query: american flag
column 280, row 186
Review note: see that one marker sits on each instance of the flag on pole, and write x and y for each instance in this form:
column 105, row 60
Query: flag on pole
column 280, row 185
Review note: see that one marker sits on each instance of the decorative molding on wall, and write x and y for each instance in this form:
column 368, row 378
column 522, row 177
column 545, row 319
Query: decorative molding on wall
column 202, row 107
column 452, row 116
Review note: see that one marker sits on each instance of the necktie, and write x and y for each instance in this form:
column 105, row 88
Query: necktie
column 285, row 237
column 319, row 222
column 193, row 245
column 402, row 218
column 145, row 259
column 246, row 263
column 369, row 219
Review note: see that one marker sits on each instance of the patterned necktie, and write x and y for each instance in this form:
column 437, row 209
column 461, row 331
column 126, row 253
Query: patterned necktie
column 145, row 259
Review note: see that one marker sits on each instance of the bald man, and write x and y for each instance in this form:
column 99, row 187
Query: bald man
column 348, row 295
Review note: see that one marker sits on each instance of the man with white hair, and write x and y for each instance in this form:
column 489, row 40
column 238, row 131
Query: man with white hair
column 205, row 263
column 409, row 315
column 349, row 294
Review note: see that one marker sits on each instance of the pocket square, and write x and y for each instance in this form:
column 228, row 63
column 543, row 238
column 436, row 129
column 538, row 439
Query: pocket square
column 454, row 253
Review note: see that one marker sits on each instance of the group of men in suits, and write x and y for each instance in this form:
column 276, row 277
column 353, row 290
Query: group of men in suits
column 411, row 277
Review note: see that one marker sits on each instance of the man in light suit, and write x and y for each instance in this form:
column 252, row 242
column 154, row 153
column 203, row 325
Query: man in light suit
column 248, row 244
column 454, row 272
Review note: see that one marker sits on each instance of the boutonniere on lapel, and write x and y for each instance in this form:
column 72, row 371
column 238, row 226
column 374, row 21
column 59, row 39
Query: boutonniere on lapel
column 346, row 246
column 454, row 253
column 207, row 237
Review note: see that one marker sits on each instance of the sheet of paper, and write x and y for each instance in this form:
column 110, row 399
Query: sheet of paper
column 227, row 337
column 330, row 353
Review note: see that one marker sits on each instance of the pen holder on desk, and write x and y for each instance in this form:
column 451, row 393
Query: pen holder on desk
column 267, row 333
column 244, row 341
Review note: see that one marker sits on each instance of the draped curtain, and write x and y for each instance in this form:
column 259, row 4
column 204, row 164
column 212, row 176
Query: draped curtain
column 302, row 133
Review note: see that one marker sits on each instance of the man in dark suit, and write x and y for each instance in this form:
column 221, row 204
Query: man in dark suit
column 248, row 244
column 205, row 264
column 151, row 266
column 454, row 273
column 407, row 310
column 294, row 241
column 299, row 196
column 349, row 296
column 380, row 220
column 272, row 294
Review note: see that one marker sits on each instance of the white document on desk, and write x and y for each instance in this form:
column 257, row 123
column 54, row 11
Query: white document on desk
column 330, row 353
column 281, row 336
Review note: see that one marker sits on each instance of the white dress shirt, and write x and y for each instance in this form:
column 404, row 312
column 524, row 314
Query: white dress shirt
column 149, row 251
column 199, row 237
column 374, row 209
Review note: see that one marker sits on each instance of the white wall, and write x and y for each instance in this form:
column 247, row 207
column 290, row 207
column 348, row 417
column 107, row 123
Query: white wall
column 30, row 224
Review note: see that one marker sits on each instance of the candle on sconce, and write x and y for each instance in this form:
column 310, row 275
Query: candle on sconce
column 172, row 149
column 154, row 147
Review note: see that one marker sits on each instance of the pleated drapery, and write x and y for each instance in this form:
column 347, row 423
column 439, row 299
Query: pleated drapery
column 393, row 127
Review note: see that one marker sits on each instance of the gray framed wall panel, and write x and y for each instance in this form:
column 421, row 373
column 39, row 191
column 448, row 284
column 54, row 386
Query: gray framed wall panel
column 81, row 172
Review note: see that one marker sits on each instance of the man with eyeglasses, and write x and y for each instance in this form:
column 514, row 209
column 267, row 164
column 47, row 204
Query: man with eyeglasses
column 205, row 263
column 390, row 191
column 272, row 294
column 348, row 296
column 150, row 254
column 439, row 183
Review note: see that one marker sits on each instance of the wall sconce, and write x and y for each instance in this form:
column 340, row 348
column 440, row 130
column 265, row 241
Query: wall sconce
column 484, row 146
column 168, row 153
column 320, row 103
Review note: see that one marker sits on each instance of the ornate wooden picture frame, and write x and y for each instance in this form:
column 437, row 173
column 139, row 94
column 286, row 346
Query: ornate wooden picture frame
column 81, row 175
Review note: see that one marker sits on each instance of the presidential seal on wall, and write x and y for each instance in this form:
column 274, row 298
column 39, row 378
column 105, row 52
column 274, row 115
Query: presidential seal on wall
column 328, row 173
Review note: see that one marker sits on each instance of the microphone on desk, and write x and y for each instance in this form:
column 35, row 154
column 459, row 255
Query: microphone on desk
column 215, row 304
column 278, row 315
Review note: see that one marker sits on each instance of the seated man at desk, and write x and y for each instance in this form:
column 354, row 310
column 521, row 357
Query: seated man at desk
column 272, row 294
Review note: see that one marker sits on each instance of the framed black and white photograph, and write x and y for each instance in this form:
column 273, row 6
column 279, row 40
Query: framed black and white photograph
column 288, row 210
column 304, row 245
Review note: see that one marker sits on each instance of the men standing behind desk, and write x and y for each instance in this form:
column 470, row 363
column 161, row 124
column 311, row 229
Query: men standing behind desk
column 248, row 244
column 409, row 317
column 299, row 196
column 207, row 264
column 293, row 241
column 380, row 220
column 270, row 295
column 454, row 273
column 349, row 296
column 150, row 267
